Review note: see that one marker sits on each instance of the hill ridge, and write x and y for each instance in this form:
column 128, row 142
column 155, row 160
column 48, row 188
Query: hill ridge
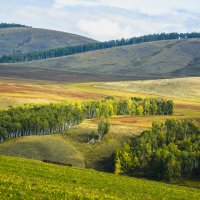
column 153, row 60
column 26, row 39
column 71, row 50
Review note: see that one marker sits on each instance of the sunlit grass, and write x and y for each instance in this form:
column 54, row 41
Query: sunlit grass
column 25, row 179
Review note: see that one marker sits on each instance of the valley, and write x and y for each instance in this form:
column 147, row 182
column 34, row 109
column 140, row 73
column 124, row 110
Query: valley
column 52, row 108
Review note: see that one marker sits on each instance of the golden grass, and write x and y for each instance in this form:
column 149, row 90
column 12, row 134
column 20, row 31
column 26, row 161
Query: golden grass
column 179, row 88
column 15, row 91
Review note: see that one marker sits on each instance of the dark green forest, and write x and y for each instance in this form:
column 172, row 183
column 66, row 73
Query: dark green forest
column 167, row 151
column 6, row 25
column 36, row 119
column 59, row 52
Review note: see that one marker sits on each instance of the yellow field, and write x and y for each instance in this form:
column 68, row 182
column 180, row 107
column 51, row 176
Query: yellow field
column 187, row 103
column 179, row 88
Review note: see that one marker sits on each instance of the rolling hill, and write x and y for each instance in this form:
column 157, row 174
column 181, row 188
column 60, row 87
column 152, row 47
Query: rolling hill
column 52, row 148
column 49, row 81
column 152, row 60
column 27, row 179
column 26, row 40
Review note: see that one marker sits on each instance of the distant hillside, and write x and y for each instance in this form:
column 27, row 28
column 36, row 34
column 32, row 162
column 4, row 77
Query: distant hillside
column 71, row 50
column 153, row 60
column 26, row 39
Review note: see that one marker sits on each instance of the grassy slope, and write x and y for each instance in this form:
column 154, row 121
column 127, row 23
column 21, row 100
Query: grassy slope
column 142, row 61
column 24, row 40
column 98, row 155
column 22, row 179
column 52, row 148
column 72, row 146
column 181, row 88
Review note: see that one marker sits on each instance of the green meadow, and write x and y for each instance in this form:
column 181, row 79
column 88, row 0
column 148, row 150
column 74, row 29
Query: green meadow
column 27, row 179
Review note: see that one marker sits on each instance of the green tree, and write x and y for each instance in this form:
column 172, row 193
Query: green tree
column 140, row 110
column 103, row 129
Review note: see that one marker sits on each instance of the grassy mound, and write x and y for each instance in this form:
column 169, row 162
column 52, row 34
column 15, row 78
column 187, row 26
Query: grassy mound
column 52, row 148
column 25, row 40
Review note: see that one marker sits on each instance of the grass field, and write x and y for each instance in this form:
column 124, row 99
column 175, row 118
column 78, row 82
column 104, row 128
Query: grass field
column 162, row 59
column 25, row 40
column 25, row 179
column 184, row 91
column 180, row 88
column 52, row 148
column 187, row 103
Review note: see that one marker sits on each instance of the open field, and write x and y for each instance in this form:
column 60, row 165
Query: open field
column 187, row 105
column 151, row 60
column 186, row 89
column 22, row 179
column 21, row 91
column 52, row 148
column 181, row 88
column 25, row 40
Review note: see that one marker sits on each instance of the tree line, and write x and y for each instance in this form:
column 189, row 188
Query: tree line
column 59, row 52
column 129, row 106
column 39, row 119
column 167, row 151
column 12, row 25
